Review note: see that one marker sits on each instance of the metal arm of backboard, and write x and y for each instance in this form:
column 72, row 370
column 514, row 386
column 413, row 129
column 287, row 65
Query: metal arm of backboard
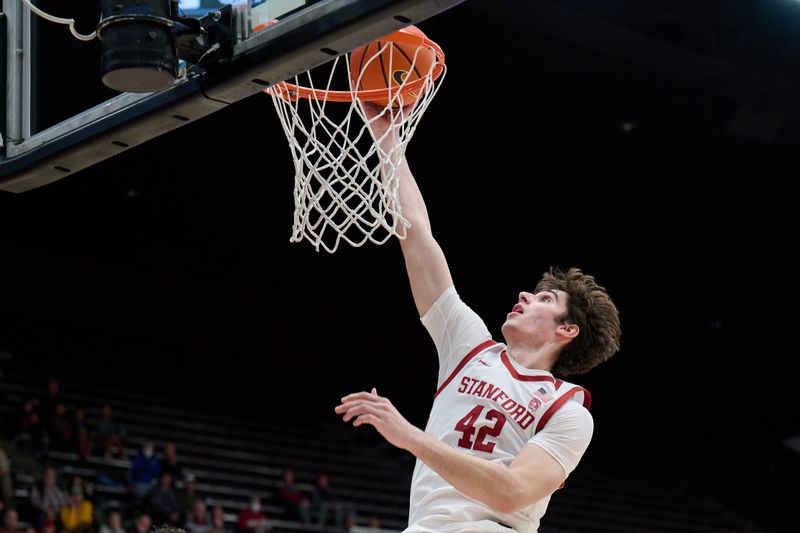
column 298, row 43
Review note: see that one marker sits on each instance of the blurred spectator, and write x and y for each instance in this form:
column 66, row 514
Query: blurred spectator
column 109, row 433
column 324, row 505
column 187, row 497
column 350, row 521
column 60, row 428
column 198, row 520
column 169, row 462
column 49, row 525
column 47, row 498
column 11, row 523
column 162, row 504
column 373, row 525
column 142, row 524
column 49, row 404
column 86, row 488
column 252, row 519
column 30, row 434
column 289, row 497
column 144, row 471
column 6, row 486
column 113, row 523
column 77, row 515
column 218, row 524
column 82, row 436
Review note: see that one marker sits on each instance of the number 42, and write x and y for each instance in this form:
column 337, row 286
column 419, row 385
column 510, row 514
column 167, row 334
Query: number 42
column 467, row 428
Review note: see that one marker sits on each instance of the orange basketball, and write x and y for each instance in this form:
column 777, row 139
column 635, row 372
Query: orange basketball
column 396, row 62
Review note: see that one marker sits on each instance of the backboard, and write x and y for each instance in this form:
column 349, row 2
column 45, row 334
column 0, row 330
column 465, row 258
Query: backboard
column 59, row 118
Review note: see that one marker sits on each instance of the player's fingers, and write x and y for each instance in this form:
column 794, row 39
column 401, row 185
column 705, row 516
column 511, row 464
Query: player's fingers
column 357, row 396
column 365, row 419
column 358, row 409
column 342, row 408
column 374, row 391
column 372, row 109
column 349, row 412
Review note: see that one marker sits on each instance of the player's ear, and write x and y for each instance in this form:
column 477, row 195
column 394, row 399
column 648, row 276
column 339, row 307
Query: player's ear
column 568, row 331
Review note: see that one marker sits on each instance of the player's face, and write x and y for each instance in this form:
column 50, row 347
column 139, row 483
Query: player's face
column 535, row 317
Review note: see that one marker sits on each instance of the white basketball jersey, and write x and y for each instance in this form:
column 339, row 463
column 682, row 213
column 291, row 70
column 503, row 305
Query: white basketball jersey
column 491, row 407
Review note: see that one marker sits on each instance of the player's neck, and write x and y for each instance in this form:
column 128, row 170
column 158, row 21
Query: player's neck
column 541, row 358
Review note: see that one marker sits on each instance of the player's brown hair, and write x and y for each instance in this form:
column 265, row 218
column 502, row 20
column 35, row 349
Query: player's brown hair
column 591, row 309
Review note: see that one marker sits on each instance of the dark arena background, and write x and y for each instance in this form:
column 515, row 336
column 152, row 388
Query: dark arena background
column 652, row 144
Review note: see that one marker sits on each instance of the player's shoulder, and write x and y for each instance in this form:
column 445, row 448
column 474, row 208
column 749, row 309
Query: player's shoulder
column 573, row 411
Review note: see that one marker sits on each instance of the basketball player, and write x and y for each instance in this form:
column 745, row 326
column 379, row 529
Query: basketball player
column 504, row 432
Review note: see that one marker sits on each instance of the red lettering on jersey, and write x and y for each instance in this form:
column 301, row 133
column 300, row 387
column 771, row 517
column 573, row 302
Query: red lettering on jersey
column 486, row 431
column 490, row 390
column 518, row 410
column 508, row 405
column 526, row 421
column 467, row 428
column 478, row 387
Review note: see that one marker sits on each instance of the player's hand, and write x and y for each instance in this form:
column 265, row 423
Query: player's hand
column 369, row 408
column 381, row 119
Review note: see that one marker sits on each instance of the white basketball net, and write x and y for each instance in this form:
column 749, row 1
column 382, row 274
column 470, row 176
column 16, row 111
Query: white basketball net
column 346, row 182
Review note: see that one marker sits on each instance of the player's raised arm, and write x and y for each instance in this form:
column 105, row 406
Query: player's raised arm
column 426, row 265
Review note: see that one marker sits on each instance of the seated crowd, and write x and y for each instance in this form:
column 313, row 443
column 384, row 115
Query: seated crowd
column 158, row 489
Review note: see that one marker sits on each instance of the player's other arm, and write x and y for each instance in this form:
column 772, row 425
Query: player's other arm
column 532, row 476
column 534, row 473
